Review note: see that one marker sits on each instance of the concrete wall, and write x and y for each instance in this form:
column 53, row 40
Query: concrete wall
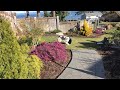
column 49, row 24
column 65, row 26
column 46, row 24
column 9, row 16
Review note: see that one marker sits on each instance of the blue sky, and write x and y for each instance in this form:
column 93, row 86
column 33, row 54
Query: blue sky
column 21, row 14
column 24, row 11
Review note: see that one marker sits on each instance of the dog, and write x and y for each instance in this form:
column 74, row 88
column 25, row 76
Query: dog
column 64, row 39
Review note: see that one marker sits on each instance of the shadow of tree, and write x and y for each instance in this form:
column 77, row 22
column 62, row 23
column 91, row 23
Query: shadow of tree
column 111, row 61
column 90, row 45
column 95, row 69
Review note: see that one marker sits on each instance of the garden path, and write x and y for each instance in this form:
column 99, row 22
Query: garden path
column 85, row 64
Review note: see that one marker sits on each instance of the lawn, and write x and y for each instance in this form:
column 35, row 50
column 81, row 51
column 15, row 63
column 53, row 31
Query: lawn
column 78, row 42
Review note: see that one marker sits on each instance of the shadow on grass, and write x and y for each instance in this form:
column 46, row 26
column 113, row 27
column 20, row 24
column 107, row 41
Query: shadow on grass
column 88, row 45
column 110, row 58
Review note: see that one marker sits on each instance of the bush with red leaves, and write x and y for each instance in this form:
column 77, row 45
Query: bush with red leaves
column 50, row 51
column 98, row 31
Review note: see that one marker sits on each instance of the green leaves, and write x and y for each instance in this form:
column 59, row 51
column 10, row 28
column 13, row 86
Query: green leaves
column 14, row 59
column 61, row 14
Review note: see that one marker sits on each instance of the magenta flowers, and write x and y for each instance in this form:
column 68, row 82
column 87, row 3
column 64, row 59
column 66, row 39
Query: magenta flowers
column 51, row 51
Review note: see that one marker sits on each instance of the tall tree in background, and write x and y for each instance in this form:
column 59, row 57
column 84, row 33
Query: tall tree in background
column 61, row 14
column 53, row 13
column 38, row 13
column 46, row 14
column 27, row 14
column 82, row 12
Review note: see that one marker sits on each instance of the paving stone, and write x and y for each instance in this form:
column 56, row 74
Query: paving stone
column 85, row 64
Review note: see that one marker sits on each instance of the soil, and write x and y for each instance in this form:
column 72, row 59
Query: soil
column 111, row 61
column 52, row 69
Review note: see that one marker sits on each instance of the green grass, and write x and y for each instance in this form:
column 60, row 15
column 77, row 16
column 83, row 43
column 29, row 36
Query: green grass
column 78, row 42
column 49, row 38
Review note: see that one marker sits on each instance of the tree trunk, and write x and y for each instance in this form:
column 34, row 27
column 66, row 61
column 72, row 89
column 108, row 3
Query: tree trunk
column 27, row 12
column 45, row 14
column 53, row 13
column 38, row 13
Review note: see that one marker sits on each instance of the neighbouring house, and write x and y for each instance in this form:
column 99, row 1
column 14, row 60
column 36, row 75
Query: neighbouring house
column 95, row 15
column 72, row 16
column 92, row 17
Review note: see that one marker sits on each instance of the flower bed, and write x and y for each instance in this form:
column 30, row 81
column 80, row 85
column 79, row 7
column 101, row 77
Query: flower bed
column 50, row 51
column 52, row 69
column 55, row 58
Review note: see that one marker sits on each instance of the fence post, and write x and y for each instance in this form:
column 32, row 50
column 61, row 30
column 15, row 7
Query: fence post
column 57, row 23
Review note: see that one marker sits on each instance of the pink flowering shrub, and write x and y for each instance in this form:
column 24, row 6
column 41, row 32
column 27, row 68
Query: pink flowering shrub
column 50, row 51
column 98, row 31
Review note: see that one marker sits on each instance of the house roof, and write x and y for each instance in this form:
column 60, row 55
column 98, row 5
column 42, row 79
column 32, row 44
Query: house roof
column 73, row 16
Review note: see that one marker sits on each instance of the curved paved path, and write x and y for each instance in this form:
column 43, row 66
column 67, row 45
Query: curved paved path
column 85, row 64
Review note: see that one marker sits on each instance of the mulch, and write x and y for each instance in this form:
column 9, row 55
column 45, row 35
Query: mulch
column 52, row 69
column 111, row 61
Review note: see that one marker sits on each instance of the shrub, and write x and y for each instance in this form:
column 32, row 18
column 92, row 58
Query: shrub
column 88, row 30
column 116, row 37
column 15, row 63
column 35, row 66
column 118, row 28
column 47, row 32
column 109, row 31
column 32, row 38
column 98, row 31
column 51, row 51
column 36, row 35
column 25, row 39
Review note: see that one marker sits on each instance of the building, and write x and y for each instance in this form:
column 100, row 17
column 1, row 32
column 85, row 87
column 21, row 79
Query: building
column 72, row 16
column 92, row 16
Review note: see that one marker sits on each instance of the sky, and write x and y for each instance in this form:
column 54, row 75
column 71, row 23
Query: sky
column 22, row 11
column 21, row 14
column 25, row 11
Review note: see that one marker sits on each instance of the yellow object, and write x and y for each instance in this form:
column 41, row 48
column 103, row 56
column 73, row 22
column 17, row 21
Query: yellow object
column 87, row 28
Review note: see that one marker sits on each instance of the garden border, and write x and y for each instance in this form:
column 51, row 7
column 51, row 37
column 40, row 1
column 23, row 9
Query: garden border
column 67, row 64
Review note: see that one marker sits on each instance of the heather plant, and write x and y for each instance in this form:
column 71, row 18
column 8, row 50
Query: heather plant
column 98, row 31
column 15, row 63
column 50, row 51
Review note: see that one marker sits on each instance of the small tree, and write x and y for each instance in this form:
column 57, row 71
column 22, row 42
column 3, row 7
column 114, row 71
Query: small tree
column 87, row 28
column 15, row 63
